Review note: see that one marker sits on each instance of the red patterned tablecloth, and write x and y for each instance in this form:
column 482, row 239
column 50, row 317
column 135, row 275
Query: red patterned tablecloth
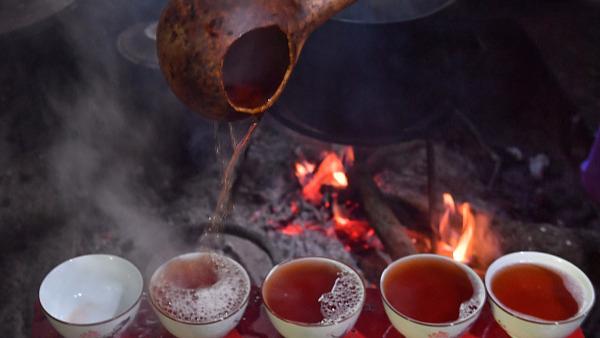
column 373, row 323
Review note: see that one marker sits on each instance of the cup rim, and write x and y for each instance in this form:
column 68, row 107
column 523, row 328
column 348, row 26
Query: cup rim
column 581, row 313
column 120, row 314
column 302, row 324
column 463, row 266
column 233, row 313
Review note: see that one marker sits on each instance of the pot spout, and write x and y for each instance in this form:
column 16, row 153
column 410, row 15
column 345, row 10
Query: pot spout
column 229, row 59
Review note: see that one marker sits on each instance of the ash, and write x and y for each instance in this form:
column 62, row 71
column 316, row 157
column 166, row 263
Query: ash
column 262, row 197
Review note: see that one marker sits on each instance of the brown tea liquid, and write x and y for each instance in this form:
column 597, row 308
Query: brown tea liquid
column 255, row 65
column 430, row 290
column 293, row 290
column 535, row 291
column 312, row 291
column 229, row 175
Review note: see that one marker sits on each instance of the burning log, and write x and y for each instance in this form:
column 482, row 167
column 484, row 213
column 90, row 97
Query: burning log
column 389, row 229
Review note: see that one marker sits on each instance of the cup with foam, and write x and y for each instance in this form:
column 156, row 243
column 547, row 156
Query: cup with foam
column 91, row 296
column 200, row 295
column 428, row 295
column 538, row 295
column 313, row 297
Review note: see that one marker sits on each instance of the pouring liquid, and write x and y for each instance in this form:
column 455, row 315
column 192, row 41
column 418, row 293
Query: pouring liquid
column 228, row 177
column 253, row 69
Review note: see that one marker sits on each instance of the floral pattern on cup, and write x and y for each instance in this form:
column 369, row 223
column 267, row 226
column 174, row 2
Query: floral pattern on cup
column 90, row 334
column 414, row 328
column 440, row 334
column 120, row 327
column 517, row 325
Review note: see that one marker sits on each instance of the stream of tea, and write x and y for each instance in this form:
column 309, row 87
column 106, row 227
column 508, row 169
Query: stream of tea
column 229, row 171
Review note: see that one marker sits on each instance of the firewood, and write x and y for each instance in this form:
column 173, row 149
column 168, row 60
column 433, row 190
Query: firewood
column 389, row 229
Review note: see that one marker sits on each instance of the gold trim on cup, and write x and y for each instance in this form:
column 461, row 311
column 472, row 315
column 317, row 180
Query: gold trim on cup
column 531, row 319
column 445, row 324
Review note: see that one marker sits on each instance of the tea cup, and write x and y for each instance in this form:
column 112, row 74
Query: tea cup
column 335, row 328
column 91, row 296
column 214, row 328
column 413, row 328
column 522, row 326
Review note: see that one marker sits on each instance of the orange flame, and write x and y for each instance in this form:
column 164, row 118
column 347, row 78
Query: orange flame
column 358, row 231
column 348, row 155
column 464, row 236
column 303, row 170
column 330, row 172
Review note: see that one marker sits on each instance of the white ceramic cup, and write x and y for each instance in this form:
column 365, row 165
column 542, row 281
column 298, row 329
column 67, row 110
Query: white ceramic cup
column 519, row 326
column 412, row 328
column 213, row 329
column 91, row 296
column 292, row 329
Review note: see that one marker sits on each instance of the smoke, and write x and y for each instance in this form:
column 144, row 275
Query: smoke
column 111, row 159
column 99, row 159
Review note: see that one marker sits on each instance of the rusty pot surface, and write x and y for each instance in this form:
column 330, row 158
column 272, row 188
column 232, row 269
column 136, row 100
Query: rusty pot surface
column 227, row 59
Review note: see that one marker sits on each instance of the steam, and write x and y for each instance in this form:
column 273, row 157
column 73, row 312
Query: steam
column 105, row 160
column 98, row 159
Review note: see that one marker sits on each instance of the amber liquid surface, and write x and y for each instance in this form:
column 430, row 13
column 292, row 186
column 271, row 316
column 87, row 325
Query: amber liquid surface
column 536, row 291
column 428, row 290
column 293, row 290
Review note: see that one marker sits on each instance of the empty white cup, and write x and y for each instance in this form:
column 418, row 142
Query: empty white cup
column 91, row 296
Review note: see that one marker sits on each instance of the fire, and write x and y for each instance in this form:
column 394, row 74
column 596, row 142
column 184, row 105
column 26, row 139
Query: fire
column 303, row 170
column 330, row 172
column 340, row 179
column 464, row 235
column 292, row 229
column 356, row 231
column 468, row 227
column 348, row 156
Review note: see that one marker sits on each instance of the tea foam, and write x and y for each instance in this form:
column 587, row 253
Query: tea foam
column 344, row 300
column 205, row 304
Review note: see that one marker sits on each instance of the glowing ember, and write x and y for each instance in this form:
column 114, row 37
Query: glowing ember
column 292, row 230
column 356, row 231
column 465, row 236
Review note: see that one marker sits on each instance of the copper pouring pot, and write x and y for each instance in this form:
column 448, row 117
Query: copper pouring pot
column 229, row 59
